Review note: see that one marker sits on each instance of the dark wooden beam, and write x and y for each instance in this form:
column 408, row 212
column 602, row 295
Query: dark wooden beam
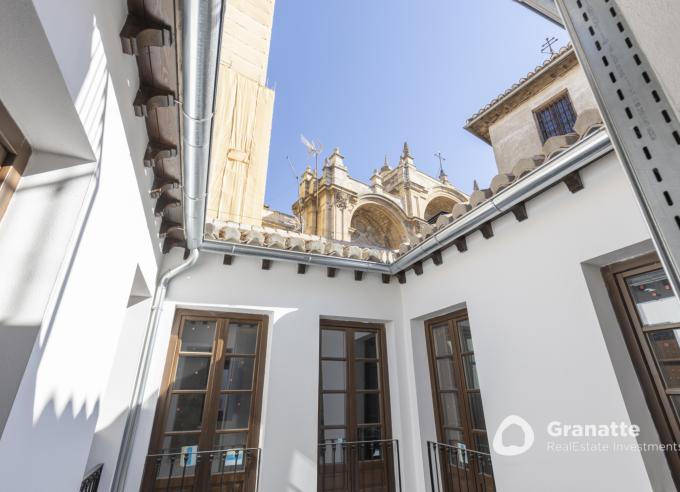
column 169, row 227
column 148, row 99
column 401, row 276
column 519, row 211
column 358, row 275
column 437, row 258
column 165, row 203
column 302, row 268
column 418, row 267
column 386, row 278
column 330, row 272
column 487, row 230
column 157, row 153
column 161, row 185
column 266, row 264
column 461, row 244
column 137, row 35
column 172, row 242
column 227, row 260
column 574, row 182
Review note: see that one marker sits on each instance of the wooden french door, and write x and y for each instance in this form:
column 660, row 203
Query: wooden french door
column 649, row 314
column 206, row 430
column 457, row 399
column 355, row 448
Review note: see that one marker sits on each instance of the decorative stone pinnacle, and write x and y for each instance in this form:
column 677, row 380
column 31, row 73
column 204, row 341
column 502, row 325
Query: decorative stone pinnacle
column 407, row 152
column 386, row 165
column 475, row 186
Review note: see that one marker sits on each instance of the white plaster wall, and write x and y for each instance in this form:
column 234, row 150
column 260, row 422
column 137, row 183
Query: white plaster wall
column 294, row 303
column 517, row 135
column 540, row 349
column 79, row 225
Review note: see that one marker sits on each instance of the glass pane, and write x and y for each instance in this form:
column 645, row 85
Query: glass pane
column 366, row 375
column 481, row 443
column 175, row 442
column 183, row 460
column 332, row 343
column 334, row 409
column 185, row 413
column 675, row 400
column 667, row 354
column 333, row 374
column 654, row 298
column 233, row 411
column 334, row 435
column 368, row 449
column 231, row 440
column 440, row 337
column 234, row 457
column 365, row 345
column 368, row 408
column 197, row 336
column 465, row 336
column 242, row 338
column 450, row 409
column 332, row 450
column 476, row 410
column 451, row 437
column 192, row 372
column 445, row 374
column 470, row 367
column 238, row 373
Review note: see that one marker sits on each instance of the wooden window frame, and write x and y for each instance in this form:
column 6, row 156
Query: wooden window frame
column 13, row 164
column 213, row 390
column 384, row 391
column 651, row 382
column 547, row 106
column 468, row 429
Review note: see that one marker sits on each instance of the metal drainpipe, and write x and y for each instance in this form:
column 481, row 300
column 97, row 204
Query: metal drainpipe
column 201, row 26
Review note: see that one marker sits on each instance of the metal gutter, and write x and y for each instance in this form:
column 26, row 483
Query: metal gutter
column 201, row 29
column 223, row 247
column 201, row 21
column 577, row 157
column 137, row 400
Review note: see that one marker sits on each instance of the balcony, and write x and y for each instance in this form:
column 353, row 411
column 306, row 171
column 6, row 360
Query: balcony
column 457, row 469
column 222, row 470
column 355, row 466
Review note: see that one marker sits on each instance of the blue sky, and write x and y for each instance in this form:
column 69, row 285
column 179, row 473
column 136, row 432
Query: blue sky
column 367, row 75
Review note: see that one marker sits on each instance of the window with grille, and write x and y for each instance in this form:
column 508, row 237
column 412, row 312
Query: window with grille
column 557, row 118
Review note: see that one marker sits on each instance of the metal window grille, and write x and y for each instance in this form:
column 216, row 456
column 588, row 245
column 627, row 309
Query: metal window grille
column 557, row 119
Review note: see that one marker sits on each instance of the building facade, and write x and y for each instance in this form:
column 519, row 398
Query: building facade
column 274, row 360
column 389, row 213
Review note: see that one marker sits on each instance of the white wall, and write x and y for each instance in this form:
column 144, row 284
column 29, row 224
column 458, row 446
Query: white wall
column 543, row 348
column 539, row 346
column 294, row 304
column 78, row 226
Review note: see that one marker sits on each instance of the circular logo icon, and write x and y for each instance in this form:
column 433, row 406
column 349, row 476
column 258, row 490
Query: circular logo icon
column 513, row 450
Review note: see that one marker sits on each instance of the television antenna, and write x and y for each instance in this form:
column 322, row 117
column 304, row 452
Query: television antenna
column 314, row 149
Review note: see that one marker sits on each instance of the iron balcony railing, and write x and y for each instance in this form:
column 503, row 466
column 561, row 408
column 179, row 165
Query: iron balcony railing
column 355, row 466
column 90, row 482
column 222, row 470
column 457, row 469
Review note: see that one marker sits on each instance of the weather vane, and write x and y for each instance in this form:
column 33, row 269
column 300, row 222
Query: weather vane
column 547, row 47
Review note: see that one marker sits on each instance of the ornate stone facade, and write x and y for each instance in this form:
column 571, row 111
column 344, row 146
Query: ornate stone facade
column 392, row 210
